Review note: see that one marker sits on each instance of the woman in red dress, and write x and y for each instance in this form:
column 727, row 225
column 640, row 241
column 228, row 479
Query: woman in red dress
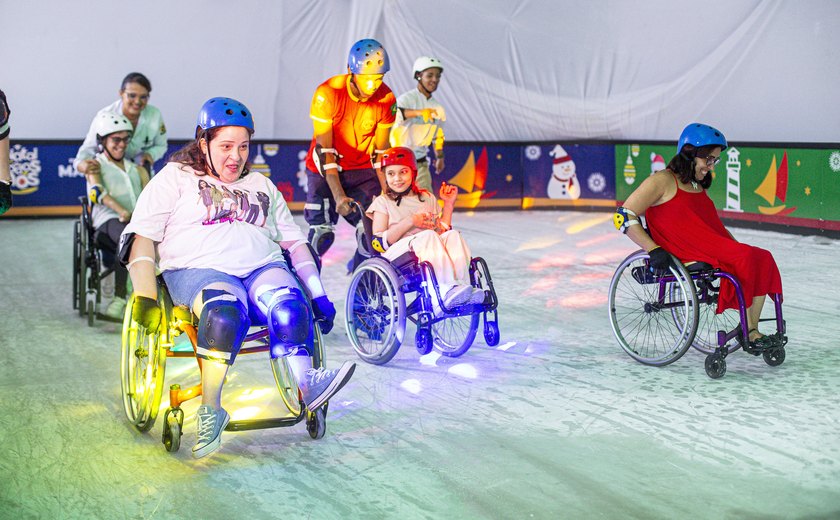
column 683, row 221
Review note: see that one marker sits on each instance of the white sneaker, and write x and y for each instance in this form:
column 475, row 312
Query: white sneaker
column 116, row 309
column 107, row 285
column 457, row 295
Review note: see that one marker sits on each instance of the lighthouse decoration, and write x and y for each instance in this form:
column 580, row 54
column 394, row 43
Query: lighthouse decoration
column 564, row 183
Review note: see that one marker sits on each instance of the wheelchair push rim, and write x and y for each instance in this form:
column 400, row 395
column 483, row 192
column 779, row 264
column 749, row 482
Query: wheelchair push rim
column 649, row 324
column 142, row 370
column 284, row 376
column 375, row 311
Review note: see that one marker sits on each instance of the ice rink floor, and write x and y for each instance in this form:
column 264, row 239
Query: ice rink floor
column 555, row 422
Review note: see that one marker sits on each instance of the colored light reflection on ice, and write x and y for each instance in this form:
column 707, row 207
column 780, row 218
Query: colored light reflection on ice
column 552, row 261
column 430, row 359
column 599, row 239
column 253, row 394
column 248, row 412
column 583, row 225
column 412, row 385
column 464, row 370
column 538, row 243
column 579, row 300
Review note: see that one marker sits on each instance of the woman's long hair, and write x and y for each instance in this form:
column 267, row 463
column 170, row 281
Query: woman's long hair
column 683, row 163
column 192, row 156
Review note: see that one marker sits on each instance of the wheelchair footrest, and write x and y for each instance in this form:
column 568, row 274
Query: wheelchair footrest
column 777, row 341
column 261, row 424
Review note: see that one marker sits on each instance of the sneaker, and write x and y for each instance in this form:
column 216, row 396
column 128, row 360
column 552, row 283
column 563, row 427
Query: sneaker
column 115, row 309
column 317, row 386
column 478, row 296
column 211, row 423
column 107, row 284
column 457, row 295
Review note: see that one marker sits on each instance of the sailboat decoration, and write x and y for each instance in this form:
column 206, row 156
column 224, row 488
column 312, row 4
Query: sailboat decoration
column 471, row 178
column 774, row 186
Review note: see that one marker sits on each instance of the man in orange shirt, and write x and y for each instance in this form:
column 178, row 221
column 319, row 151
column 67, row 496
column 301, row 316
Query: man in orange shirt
column 352, row 115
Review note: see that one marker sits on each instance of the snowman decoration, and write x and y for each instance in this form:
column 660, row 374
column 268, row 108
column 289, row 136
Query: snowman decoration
column 564, row 182
column 657, row 162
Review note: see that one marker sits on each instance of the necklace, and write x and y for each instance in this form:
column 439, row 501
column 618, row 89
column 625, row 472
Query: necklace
column 694, row 184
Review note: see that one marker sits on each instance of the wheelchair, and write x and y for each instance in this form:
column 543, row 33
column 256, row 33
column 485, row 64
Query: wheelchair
column 89, row 256
column 656, row 317
column 143, row 365
column 379, row 304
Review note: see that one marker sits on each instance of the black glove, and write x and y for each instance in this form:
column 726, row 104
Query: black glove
column 146, row 312
column 660, row 260
column 324, row 312
column 5, row 197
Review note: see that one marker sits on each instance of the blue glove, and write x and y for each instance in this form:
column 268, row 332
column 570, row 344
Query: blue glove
column 146, row 312
column 324, row 312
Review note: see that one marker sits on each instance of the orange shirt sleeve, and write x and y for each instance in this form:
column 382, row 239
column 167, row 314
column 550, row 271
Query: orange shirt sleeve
column 323, row 104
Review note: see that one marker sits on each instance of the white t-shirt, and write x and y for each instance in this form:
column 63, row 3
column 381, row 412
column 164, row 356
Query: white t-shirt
column 414, row 132
column 122, row 185
column 200, row 222
column 408, row 207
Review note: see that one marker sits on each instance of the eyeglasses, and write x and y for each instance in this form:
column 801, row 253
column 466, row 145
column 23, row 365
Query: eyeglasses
column 134, row 96
column 711, row 160
column 120, row 140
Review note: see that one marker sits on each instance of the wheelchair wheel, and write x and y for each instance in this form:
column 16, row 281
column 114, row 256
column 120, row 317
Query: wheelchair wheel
column 454, row 336
column 774, row 357
column 142, row 369
column 285, row 378
column 374, row 311
column 81, row 273
column 491, row 333
column 709, row 322
column 653, row 322
column 77, row 262
column 173, row 427
column 316, row 423
column 715, row 366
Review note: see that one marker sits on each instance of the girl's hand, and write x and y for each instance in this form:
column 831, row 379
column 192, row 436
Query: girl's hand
column 424, row 220
column 448, row 193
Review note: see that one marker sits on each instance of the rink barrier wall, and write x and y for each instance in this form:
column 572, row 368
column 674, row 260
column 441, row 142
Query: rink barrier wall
column 786, row 185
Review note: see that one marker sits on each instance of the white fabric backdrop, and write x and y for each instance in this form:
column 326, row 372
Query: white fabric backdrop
column 761, row 70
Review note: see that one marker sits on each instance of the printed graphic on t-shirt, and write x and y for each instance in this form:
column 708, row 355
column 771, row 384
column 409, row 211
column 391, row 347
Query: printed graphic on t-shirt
column 225, row 205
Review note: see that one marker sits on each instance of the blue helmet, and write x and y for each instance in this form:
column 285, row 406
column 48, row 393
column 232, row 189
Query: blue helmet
column 368, row 57
column 698, row 135
column 223, row 111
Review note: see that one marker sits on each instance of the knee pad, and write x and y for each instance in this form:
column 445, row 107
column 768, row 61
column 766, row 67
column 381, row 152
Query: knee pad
column 222, row 326
column 289, row 320
column 321, row 236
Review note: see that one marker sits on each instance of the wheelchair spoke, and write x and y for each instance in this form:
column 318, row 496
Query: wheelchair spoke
column 650, row 322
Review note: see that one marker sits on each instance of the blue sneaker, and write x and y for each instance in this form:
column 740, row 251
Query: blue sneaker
column 317, row 386
column 211, row 423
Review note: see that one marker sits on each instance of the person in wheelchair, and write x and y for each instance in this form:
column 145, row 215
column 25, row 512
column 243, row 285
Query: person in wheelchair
column 113, row 188
column 225, row 269
column 407, row 218
column 683, row 221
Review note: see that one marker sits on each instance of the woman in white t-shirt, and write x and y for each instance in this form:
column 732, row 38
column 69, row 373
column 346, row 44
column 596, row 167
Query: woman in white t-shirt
column 227, row 267
column 407, row 218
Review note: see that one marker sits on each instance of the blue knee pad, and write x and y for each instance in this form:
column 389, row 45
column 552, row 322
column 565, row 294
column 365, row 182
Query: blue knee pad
column 289, row 320
column 222, row 326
